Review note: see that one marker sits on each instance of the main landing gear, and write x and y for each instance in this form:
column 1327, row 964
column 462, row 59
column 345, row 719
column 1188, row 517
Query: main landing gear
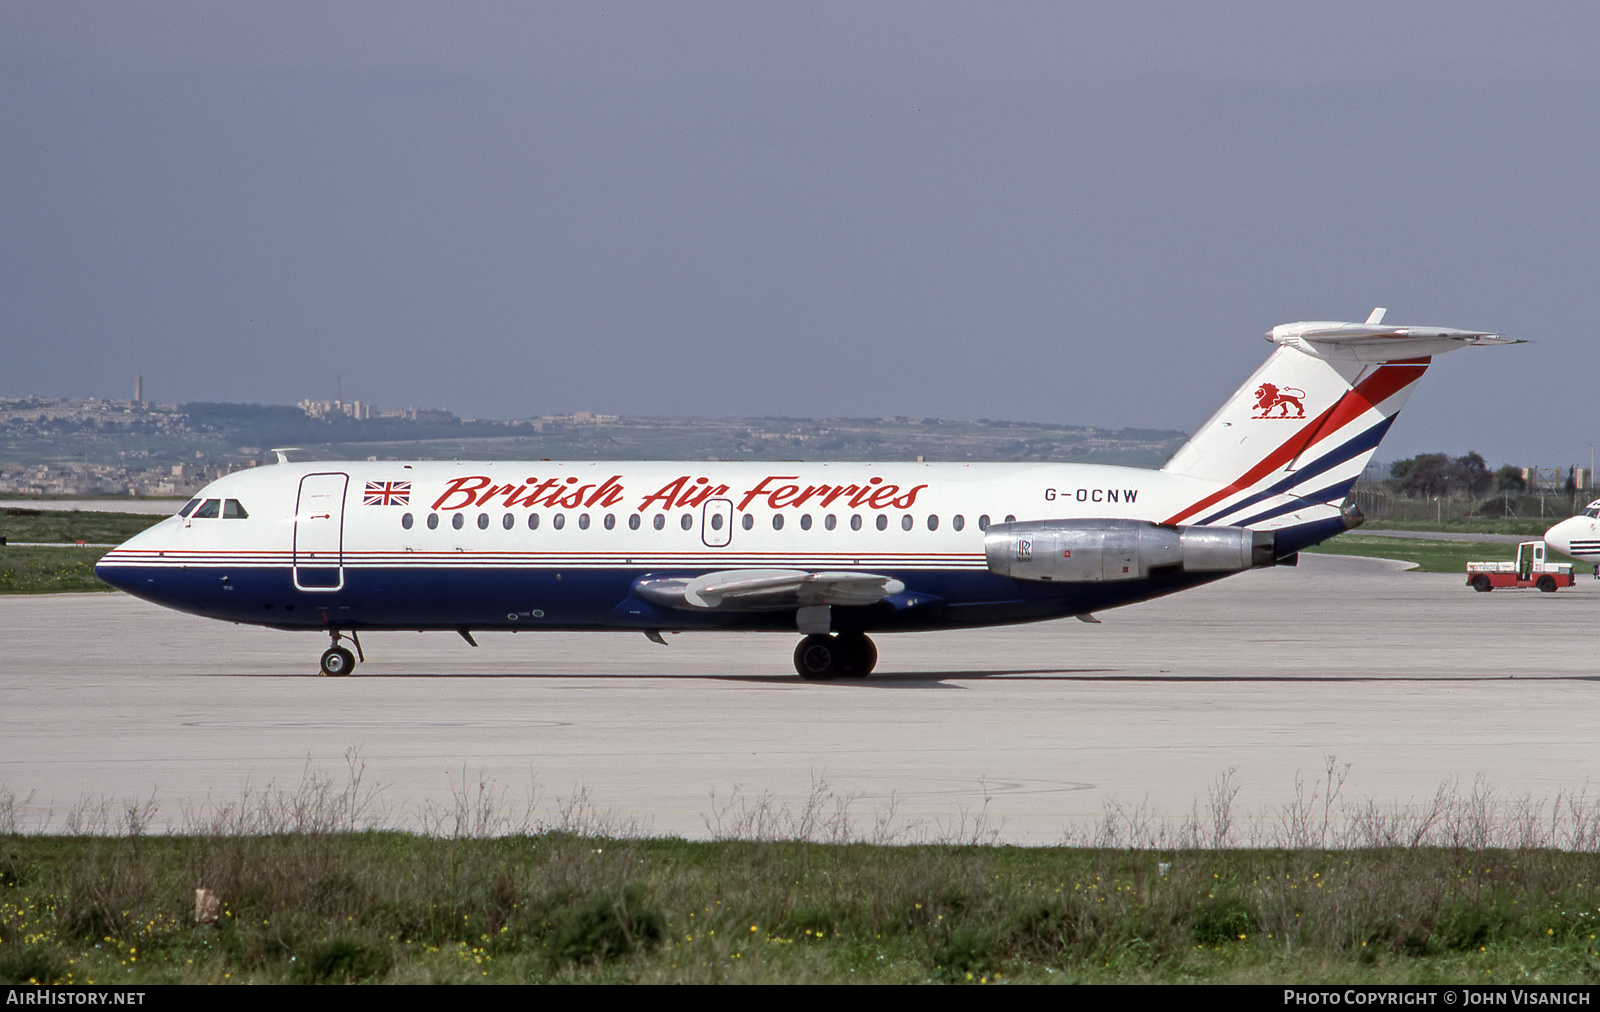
column 336, row 660
column 820, row 658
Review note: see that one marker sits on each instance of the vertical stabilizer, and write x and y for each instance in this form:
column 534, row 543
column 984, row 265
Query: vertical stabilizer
column 1288, row 445
column 1298, row 432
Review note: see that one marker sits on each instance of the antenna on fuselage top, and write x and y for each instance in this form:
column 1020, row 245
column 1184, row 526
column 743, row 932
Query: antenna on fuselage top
column 283, row 452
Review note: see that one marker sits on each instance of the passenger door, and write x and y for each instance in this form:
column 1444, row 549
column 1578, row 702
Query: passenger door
column 319, row 532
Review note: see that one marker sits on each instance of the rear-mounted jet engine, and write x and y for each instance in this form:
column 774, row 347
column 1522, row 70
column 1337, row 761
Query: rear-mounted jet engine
column 1081, row 550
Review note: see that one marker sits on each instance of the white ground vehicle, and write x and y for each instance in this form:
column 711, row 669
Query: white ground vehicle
column 1530, row 570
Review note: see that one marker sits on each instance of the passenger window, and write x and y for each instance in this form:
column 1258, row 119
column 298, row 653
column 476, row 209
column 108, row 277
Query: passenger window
column 883, row 521
column 558, row 521
column 958, row 521
column 855, row 521
column 583, row 521
column 777, row 521
column 405, row 521
column 748, row 521
column 433, row 521
column 458, row 520
column 805, row 522
column 660, row 521
column 933, row 522
column 633, row 522
column 983, row 522
column 232, row 509
column 208, row 509
column 716, row 521
column 189, row 506
column 611, row 521
column 508, row 521
column 906, row 522
column 687, row 521
column 830, row 521
column 483, row 521
column 533, row 521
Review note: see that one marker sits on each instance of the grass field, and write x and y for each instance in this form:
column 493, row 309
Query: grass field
column 49, row 570
column 28, row 570
column 392, row 907
column 1530, row 528
column 1432, row 556
column 18, row 522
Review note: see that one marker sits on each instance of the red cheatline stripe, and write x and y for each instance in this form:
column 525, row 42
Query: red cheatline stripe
column 1375, row 389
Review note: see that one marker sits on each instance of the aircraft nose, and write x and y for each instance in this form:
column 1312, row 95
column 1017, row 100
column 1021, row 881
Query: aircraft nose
column 116, row 576
column 1559, row 537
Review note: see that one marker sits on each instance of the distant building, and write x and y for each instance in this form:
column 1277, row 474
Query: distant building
column 332, row 409
column 581, row 418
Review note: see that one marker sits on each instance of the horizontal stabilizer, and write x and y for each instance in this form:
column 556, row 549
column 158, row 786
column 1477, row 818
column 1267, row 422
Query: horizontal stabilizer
column 767, row 589
column 1374, row 342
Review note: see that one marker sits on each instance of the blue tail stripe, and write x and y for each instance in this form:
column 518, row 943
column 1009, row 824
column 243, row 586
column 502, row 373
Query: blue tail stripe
column 1330, row 495
column 1361, row 443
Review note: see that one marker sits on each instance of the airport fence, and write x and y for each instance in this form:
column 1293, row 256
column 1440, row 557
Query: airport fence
column 1378, row 503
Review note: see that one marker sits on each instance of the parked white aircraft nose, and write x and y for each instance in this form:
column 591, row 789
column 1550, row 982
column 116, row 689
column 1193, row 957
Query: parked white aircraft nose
column 1578, row 536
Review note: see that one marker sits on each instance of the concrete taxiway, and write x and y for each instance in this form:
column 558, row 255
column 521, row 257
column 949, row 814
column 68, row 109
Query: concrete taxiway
column 1412, row 679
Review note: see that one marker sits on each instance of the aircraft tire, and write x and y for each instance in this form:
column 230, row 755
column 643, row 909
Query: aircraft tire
column 1481, row 584
column 1547, row 584
column 817, row 658
column 337, row 662
column 860, row 656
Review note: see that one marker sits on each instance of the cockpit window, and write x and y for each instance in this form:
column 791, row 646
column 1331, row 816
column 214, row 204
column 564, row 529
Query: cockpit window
column 1592, row 511
column 233, row 510
column 188, row 507
column 208, row 509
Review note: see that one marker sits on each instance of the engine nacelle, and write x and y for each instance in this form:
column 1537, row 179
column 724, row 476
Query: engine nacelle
column 1081, row 550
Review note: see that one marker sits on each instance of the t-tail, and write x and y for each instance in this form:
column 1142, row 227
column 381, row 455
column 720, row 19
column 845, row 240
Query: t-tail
column 1286, row 448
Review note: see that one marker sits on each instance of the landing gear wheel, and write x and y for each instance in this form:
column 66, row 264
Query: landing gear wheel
column 821, row 658
column 1547, row 584
column 859, row 655
column 337, row 662
column 817, row 658
column 1481, row 584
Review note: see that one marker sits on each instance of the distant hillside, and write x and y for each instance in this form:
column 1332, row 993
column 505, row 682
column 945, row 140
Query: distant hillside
column 59, row 446
column 791, row 439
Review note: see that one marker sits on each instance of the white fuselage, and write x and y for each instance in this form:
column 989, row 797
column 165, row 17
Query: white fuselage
column 482, row 544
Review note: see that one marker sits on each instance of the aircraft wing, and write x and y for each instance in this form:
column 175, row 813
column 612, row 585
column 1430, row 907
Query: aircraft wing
column 767, row 589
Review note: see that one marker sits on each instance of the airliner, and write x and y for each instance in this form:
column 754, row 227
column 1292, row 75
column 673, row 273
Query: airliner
column 1578, row 536
column 830, row 551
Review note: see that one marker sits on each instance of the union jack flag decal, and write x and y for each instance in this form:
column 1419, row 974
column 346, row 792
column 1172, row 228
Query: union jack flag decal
column 387, row 493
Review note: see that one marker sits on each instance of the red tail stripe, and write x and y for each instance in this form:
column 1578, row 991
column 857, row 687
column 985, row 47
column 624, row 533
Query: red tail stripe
column 1375, row 389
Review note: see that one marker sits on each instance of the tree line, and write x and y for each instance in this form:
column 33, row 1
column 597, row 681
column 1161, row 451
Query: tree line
column 1438, row 474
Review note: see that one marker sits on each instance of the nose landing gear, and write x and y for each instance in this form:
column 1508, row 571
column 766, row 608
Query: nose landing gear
column 821, row 658
column 336, row 660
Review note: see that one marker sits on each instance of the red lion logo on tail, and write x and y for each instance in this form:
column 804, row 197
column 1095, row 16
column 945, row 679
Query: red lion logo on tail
column 1269, row 396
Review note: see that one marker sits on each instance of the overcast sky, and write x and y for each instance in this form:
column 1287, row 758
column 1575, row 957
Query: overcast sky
column 1080, row 213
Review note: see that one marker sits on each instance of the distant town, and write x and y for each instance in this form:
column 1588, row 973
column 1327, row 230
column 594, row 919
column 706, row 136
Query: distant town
column 63, row 447
column 52, row 447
